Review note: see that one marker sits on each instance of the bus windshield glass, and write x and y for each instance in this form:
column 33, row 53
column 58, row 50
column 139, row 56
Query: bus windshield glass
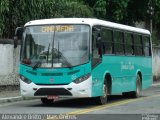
column 55, row 45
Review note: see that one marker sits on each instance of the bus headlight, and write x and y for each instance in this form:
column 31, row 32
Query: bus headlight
column 81, row 79
column 24, row 79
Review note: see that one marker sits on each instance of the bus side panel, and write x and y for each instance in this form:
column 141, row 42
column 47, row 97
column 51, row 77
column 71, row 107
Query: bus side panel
column 122, row 78
column 147, row 81
column 123, row 70
column 147, row 78
column 97, row 80
column 98, row 75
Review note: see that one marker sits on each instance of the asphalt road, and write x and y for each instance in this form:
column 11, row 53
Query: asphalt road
column 147, row 107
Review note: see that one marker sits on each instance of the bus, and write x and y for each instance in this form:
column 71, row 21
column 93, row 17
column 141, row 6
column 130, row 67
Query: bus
column 83, row 58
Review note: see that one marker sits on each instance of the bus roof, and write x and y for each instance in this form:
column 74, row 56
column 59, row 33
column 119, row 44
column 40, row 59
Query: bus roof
column 89, row 21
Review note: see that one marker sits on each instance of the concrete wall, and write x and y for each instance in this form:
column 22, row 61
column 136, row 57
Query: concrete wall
column 9, row 63
column 156, row 63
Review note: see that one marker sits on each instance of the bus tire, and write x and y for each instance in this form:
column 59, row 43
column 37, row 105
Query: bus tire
column 46, row 101
column 136, row 94
column 101, row 100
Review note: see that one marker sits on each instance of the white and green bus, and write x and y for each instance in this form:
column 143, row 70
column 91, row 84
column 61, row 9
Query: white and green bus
column 83, row 57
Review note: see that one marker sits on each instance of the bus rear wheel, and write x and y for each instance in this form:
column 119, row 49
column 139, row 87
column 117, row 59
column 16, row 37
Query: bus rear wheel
column 136, row 94
column 46, row 101
column 101, row 100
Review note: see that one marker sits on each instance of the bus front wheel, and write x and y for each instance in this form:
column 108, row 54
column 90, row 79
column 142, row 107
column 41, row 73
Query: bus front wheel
column 46, row 101
column 101, row 100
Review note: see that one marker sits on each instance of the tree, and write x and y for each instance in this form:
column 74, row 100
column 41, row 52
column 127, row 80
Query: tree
column 116, row 10
column 4, row 9
column 136, row 11
column 100, row 9
column 17, row 12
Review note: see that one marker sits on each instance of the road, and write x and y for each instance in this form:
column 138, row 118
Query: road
column 118, row 107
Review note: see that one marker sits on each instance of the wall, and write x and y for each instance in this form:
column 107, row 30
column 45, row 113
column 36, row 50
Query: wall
column 156, row 63
column 9, row 62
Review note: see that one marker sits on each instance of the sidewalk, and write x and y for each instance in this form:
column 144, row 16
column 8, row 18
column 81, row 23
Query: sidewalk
column 12, row 93
column 156, row 83
column 9, row 91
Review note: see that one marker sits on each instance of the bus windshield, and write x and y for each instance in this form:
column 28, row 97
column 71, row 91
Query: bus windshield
column 55, row 45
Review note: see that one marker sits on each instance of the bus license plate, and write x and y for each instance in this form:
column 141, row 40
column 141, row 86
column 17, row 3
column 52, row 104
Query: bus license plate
column 52, row 97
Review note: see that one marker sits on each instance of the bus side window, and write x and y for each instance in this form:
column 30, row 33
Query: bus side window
column 107, row 37
column 138, row 45
column 128, row 44
column 118, row 43
column 146, row 45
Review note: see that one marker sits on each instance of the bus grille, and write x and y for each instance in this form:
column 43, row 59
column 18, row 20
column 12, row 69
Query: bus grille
column 51, row 91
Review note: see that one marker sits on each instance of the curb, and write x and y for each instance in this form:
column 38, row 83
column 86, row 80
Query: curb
column 11, row 99
column 14, row 99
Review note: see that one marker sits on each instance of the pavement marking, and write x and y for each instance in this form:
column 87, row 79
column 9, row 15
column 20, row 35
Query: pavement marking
column 109, row 105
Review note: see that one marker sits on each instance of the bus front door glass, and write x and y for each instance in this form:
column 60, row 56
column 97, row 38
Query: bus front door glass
column 96, row 50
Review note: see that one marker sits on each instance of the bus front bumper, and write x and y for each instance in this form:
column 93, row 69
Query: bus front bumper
column 71, row 90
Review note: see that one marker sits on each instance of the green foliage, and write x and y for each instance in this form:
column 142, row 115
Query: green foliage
column 17, row 12
column 72, row 8
column 156, row 13
column 100, row 8
column 4, row 8
column 116, row 10
column 137, row 10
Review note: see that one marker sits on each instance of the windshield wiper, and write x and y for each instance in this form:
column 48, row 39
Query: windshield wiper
column 36, row 65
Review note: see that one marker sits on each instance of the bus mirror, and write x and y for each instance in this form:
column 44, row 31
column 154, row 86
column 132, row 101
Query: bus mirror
column 17, row 36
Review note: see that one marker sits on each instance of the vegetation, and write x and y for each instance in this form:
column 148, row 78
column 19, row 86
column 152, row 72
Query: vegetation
column 17, row 12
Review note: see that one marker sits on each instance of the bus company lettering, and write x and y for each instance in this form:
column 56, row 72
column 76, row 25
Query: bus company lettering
column 63, row 28
column 127, row 66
